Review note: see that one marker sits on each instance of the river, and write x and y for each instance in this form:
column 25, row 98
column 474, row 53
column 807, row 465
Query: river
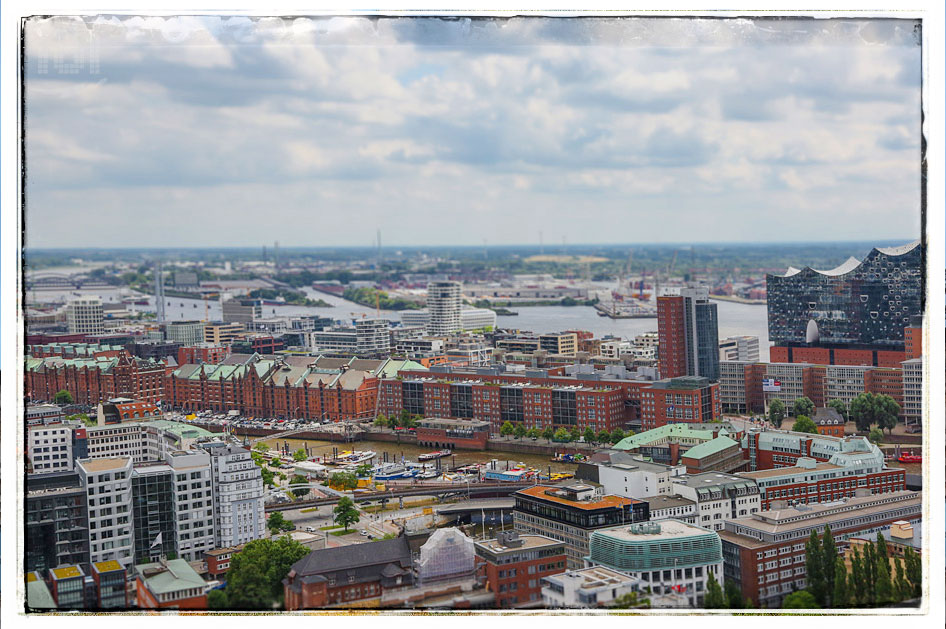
column 734, row 318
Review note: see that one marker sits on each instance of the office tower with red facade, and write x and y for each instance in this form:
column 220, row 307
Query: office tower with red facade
column 687, row 327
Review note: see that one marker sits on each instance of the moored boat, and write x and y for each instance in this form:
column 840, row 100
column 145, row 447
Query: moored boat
column 430, row 456
column 352, row 457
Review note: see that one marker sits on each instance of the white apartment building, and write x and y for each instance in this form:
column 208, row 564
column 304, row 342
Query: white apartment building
column 718, row 497
column 615, row 348
column 193, row 502
column 647, row 339
column 141, row 442
column 238, row 495
column 372, row 336
column 49, row 448
column 913, row 394
column 443, row 304
column 665, row 507
column 635, row 478
column 592, row 587
column 85, row 316
column 739, row 348
column 470, row 319
column 108, row 487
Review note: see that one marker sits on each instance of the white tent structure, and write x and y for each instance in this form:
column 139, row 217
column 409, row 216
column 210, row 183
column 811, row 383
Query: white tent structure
column 448, row 553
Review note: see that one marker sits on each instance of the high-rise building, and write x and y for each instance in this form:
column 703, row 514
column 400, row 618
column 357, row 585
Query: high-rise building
column 108, row 485
column 913, row 394
column 237, row 495
column 443, row 303
column 220, row 333
column 859, row 304
column 85, row 316
column 688, row 331
column 57, row 521
column 372, row 337
column 152, row 492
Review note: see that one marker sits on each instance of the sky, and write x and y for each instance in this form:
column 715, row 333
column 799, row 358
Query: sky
column 213, row 131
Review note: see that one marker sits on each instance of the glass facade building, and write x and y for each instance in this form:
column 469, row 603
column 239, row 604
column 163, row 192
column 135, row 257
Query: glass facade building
column 153, row 511
column 57, row 521
column 867, row 303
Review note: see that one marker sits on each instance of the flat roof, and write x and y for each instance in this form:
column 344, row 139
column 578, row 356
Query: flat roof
column 669, row 529
column 604, row 502
column 66, row 572
column 107, row 566
column 594, row 577
column 708, row 479
column 665, row 502
column 528, row 542
column 787, row 471
column 104, row 465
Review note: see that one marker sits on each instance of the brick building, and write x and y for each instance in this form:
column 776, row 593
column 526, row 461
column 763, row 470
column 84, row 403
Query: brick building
column 170, row 584
column 455, row 434
column 514, row 565
column 202, row 353
column 94, row 380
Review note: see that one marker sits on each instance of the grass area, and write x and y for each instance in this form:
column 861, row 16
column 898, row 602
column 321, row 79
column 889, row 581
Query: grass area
column 342, row 532
column 330, row 528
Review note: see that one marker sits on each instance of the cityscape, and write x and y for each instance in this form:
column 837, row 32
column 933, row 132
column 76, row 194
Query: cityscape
column 327, row 405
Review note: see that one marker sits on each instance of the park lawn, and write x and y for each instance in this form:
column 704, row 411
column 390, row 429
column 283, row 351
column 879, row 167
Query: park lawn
column 330, row 528
column 341, row 532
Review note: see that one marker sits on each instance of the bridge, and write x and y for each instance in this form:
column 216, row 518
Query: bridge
column 441, row 491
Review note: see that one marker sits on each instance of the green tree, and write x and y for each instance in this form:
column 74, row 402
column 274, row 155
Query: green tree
column 815, row 568
column 589, row 434
column 381, row 420
column 345, row 512
column 299, row 492
column 803, row 423
column 863, row 411
column 217, row 600
column 876, row 435
column 734, row 597
column 804, row 406
column 840, row 407
column 802, row 599
column 277, row 523
column 519, row 431
column 268, row 476
column 254, row 581
column 63, row 398
column 534, row 433
column 857, row 581
column 886, row 411
column 884, row 584
column 548, row 433
column 344, row 481
column 404, row 419
column 574, row 433
column 299, row 455
column 839, row 594
column 869, row 565
column 913, row 568
column 901, row 588
column 562, row 435
column 603, row 436
column 776, row 412
column 714, row 594
column 829, row 560
column 631, row 600
column 363, row 471
column 506, row 429
column 616, row 435
column 262, row 448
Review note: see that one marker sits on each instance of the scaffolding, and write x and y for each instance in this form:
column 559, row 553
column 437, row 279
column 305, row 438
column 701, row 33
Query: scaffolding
column 447, row 554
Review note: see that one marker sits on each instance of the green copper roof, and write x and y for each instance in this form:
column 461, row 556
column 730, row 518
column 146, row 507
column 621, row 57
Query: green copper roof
column 178, row 576
column 709, row 448
column 181, row 429
column 37, row 594
column 668, row 430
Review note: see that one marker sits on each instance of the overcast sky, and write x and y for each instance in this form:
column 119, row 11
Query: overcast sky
column 217, row 132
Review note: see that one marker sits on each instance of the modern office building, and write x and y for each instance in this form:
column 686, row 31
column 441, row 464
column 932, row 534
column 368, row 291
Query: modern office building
column 666, row 556
column 587, row 588
column 765, row 552
column 688, row 399
column 515, row 564
column 244, row 311
column 184, row 332
column 689, row 334
column 193, row 502
column 153, row 513
column 222, row 333
column 85, row 316
column 559, row 343
column 570, row 513
column 57, row 521
column 913, row 394
column 744, row 348
column 373, row 337
column 627, row 475
column 108, row 484
column 237, row 485
column 857, row 306
column 443, row 304
column 718, row 497
column 54, row 447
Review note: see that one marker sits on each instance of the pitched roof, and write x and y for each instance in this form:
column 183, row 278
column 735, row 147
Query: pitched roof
column 709, row 448
column 354, row 556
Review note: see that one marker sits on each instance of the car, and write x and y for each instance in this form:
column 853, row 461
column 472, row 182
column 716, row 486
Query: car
column 310, row 529
column 364, row 532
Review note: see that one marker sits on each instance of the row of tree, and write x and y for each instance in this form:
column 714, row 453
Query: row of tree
column 866, row 410
column 404, row 420
column 871, row 578
column 519, row 431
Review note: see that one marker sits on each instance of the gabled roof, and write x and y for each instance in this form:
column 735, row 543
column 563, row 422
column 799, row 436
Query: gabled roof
column 357, row 555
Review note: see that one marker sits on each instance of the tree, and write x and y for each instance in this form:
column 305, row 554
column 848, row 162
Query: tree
column 363, row 471
column 840, row 597
column 589, row 434
column 616, row 435
column 815, row 568
column 734, row 598
column 803, row 423
column 63, row 398
column 574, row 433
column 804, row 406
column 534, row 433
column 519, row 431
column 631, row 600
column 840, row 407
column 714, row 594
column 217, row 600
column 344, row 481
column 254, row 580
column 562, row 435
column 803, row 599
column 776, row 412
column 603, row 436
column 876, row 435
column 506, row 429
column 901, row 588
column 261, row 448
column 268, row 476
column 869, row 566
column 299, row 455
column 299, row 492
column 913, row 568
column 886, row 411
column 829, row 561
column 381, row 420
column 277, row 523
column 863, row 411
column 857, row 583
column 883, row 585
column 547, row 433
column 345, row 512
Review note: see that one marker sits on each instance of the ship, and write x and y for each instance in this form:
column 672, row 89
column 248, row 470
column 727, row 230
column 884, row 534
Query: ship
column 910, row 458
column 430, row 456
column 392, row 471
column 352, row 457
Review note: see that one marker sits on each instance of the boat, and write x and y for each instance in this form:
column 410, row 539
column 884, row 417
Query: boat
column 910, row 458
column 517, row 474
column 352, row 457
column 567, row 458
column 392, row 471
column 556, row 476
column 430, row 456
column 423, row 472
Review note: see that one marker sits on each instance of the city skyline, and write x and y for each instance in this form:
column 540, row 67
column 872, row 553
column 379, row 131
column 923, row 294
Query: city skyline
column 471, row 130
